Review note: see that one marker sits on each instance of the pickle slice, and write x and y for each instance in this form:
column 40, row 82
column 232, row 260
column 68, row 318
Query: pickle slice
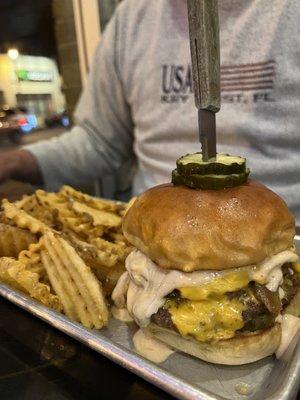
column 210, row 182
column 224, row 164
column 177, row 179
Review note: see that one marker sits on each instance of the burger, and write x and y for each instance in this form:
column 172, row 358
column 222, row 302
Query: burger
column 214, row 273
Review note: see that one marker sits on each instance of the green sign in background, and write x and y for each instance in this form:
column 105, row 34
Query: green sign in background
column 34, row 76
column 22, row 75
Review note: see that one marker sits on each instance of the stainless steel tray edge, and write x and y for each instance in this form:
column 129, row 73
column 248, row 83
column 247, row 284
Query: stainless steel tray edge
column 117, row 353
column 286, row 372
column 133, row 362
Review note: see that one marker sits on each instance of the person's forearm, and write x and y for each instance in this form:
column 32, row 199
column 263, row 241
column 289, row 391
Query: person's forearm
column 79, row 156
column 20, row 165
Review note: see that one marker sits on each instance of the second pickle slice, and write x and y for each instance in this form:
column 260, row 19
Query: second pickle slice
column 210, row 181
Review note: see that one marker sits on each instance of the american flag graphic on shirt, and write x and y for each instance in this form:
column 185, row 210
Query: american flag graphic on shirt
column 240, row 83
column 248, row 77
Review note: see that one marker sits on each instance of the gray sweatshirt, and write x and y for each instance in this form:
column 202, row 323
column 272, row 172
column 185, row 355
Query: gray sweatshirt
column 138, row 101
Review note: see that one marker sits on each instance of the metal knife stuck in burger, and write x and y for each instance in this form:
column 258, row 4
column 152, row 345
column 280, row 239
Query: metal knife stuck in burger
column 214, row 273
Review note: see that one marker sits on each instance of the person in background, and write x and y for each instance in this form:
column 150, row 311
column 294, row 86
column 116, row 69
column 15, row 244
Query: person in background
column 138, row 102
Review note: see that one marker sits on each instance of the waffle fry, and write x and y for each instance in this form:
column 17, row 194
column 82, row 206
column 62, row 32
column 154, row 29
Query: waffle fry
column 99, row 204
column 31, row 255
column 118, row 238
column 58, row 285
column 106, row 265
column 22, row 219
column 83, row 228
column 52, row 201
column 13, row 240
column 15, row 274
column 117, row 248
column 26, row 203
column 93, row 256
column 82, row 286
column 97, row 217
column 31, row 258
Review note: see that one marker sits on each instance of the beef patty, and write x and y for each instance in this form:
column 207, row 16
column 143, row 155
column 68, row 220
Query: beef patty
column 262, row 305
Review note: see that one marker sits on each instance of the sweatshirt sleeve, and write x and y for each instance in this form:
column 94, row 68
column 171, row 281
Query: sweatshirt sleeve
column 102, row 139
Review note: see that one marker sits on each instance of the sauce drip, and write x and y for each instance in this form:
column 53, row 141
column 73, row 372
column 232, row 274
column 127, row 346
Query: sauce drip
column 121, row 314
column 290, row 327
column 150, row 348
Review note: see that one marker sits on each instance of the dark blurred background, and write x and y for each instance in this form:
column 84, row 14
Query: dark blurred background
column 29, row 26
column 46, row 48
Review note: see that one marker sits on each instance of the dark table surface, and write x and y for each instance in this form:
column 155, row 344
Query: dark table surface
column 38, row 362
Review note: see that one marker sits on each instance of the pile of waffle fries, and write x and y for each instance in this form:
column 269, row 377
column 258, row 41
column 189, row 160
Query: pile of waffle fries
column 64, row 249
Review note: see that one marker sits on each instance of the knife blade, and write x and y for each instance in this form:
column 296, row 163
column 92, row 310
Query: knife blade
column 205, row 54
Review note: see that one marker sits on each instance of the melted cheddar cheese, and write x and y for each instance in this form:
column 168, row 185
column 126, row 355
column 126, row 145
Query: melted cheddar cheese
column 206, row 313
column 207, row 320
column 218, row 287
column 296, row 267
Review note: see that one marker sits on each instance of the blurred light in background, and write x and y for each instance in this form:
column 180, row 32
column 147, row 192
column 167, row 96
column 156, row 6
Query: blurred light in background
column 13, row 54
column 65, row 121
column 28, row 123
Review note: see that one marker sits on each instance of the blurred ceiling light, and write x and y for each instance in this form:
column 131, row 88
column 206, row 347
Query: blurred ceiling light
column 13, row 53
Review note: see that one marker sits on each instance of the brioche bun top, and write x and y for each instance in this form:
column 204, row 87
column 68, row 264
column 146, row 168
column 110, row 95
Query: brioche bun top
column 189, row 230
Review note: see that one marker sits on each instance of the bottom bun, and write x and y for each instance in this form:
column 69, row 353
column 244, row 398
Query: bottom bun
column 243, row 349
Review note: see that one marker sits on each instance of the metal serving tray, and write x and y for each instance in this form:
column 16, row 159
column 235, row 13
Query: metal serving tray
column 182, row 376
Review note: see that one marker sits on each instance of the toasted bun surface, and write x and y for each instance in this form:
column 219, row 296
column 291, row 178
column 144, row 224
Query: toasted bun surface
column 187, row 229
column 243, row 349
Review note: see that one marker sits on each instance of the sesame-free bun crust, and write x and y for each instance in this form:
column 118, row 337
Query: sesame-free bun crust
column 187, row 229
